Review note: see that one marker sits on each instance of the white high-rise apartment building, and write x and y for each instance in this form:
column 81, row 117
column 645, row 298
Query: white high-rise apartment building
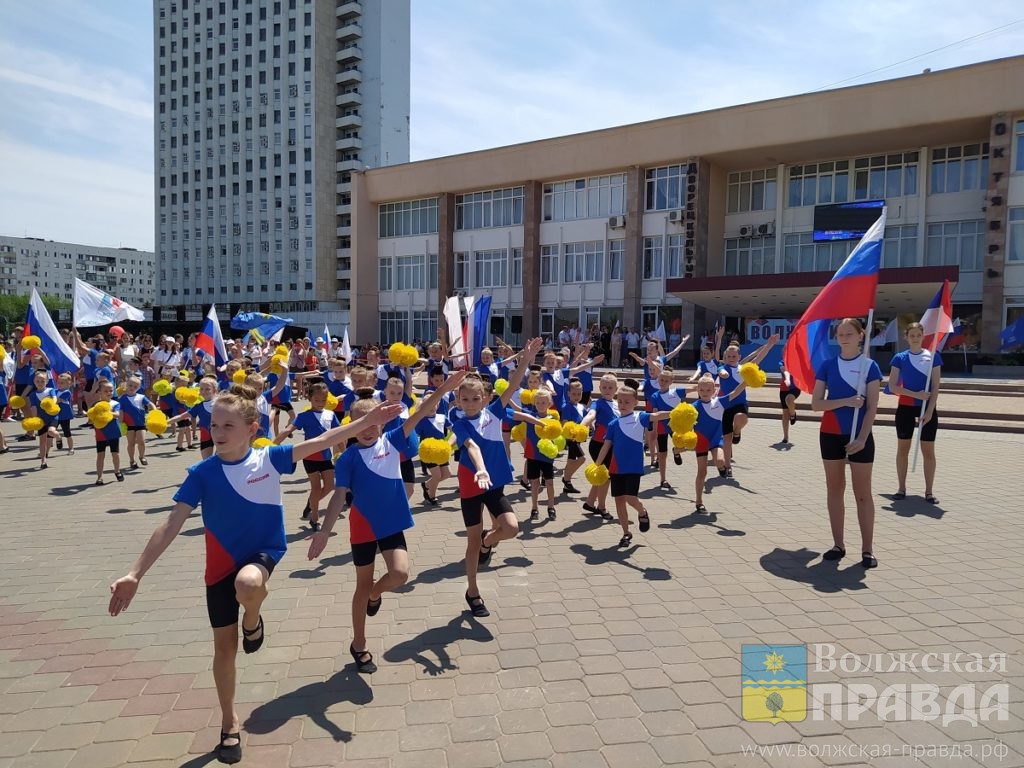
column 264, row 108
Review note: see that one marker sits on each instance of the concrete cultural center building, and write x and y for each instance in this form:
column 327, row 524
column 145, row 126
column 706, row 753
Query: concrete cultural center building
column 691, row 218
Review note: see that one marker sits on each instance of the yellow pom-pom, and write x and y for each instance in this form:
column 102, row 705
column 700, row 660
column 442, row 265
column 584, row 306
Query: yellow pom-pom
column 3, row 352
column 500, row 386
column 332, row 402
column 596, row 474
column 435, row 451
column 346, row 420
column 239, row 376
column 547, row 448
column 582, row 433
column 262, row 442
column 403, row 355
column 101, row 419
column 689, row 440
column 49, row 406
column 186, row 396
column 30, row 342
column 32, row 424
column 551, row 429
column 526, row 397
column 156, row 422
column 162, row 387
column 569, row 430
column 682, row 418
column 559, row 443
column 752, row 374
column 519, row 432
column 120, row 390
column 103, row 406
column 17, row 402
column 281, row 349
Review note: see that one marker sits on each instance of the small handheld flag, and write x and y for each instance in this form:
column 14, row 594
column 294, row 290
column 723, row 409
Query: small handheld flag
column 210, row 342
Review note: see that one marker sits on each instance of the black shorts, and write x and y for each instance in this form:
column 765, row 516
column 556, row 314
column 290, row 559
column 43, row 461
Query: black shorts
column 536, row 469
column 729, row 415
column 114, row 445
column 204, row 444
column 88, row 384
column 186, row 422
column 663, row 443
column 286, row 407
column 585, row 398
column 313, row 466
column 906, row 423
column 408, row 471
column 833, row 448
column 783, row 395
column 136, row 428
column 574, row 450
column 595, row 451
column 428, row 466
column 65, row 427
column 493, row 500
column 221, row 603
column 364, row 554
column 625, row 485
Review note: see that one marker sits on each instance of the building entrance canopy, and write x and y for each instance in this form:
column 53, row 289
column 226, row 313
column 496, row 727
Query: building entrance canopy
column 907, row 289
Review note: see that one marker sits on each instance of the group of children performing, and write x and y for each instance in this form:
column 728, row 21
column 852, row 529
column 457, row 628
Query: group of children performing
column 364, row 428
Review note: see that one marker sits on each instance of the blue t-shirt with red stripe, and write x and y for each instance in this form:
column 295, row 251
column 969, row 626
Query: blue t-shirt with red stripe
column 841, row 379
column 626, row 434
column 313, row 424
column 729, row 383
column 666, row 401
column 242, row 507
column 203, row 414
column 485, row 431
column 915, row 372
column 133, row 409
column 373, row 474
column 607, row 411
column 709, row 424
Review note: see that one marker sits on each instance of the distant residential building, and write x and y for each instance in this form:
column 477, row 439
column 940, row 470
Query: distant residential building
column 264, row 108
column 51, row 267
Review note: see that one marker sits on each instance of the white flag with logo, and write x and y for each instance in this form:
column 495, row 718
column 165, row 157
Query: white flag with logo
column 94, row 307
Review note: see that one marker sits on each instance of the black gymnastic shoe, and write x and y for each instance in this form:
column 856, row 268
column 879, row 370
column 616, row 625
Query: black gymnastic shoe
column 229, row 753
column 248, row 644
column 372, row 606
column 363, row 660
column 477, row 607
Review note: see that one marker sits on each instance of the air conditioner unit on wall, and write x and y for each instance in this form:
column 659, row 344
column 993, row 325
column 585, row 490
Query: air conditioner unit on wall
column 767, row 229
column 617, row 222
column 747, row 230
column 676, row 217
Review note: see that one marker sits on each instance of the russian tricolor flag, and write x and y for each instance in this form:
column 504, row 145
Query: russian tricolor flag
column 938, row 318
column 39, row 323
column 210, row 341
column 850, row 293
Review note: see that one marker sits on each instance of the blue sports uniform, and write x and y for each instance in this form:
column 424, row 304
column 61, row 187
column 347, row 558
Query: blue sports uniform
column 729, row 383
column 435, row 426
column 133, row 409
column 36, row 396
column 915, row 371
column 607, row 411
column 485, row 431
column 112, row 431
column 651, row 385
column 558, row 380
column 313, row 424
column 64, row 398
column 203, row 414
column 841, row 378
column 373, row 474
column 284, row 397
column 708, row 366
column 666, row 401
column 709, row 424
column 626, row 434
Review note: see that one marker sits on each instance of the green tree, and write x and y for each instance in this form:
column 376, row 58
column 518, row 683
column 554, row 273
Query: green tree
column 14, row 308
column 774, row 703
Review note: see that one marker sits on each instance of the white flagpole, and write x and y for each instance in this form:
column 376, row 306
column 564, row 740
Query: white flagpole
column 924, row 404
column 862, row 376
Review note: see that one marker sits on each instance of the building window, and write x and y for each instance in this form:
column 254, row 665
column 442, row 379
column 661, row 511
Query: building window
column 549, row 265
column 960, row 168
column 490, row 269
column 432, row 271
column 424, row 325
column 584, row 262
column 674, row 256
column 900, row 247
column 750, row 256
column 665, row 187
column 884, row 176
column 653, row 258
column 384, row 274
column 801, row 254
column 588, row 198
column 1018, row 135
column 752, row 191
column 494, row 208
column 461, row 271
column 411, row 217
column 1015, row 236
column 616, row 256
column 819, row 184
column 517, row 266
column 956, row 242
column 393, row 327
column 409, row 273
column 547, row 322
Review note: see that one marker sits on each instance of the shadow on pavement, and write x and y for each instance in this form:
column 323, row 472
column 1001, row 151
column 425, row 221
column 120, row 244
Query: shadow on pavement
column 313, row 701
column 593, row 556
column 539, row 529
column 321, row 569
column 457, row 570
column 694, row 519
column 913, row 506
column 70, row 490
column 794, row 565
column 781, row 446
column 436, row 641
column 200, row 760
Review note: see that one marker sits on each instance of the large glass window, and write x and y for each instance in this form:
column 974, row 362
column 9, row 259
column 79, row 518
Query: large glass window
column 584, row 262
column 883, row 176
column 587, row 198
column 674, row 256
column 616, row 256
column 461, row 271
column 394, row 326
column 959, row 168
column 752, row 191
column 549, row 265
column 493, row 208
column 900, row 247
column 750, row 256
column 665, row 187
column 410, row 217
column 410, row 273
column 490, row 269
column 424, row 325
column 801, row 254
column 384, row 274
column 653, row 260
column 956, row 242
column 1015, row 236
column 432, row 269
column 819, row 184
column 517, row 266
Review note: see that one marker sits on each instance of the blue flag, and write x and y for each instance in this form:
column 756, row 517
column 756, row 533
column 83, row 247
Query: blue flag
column 1012, row 335
column 246, row 321
column 481, row 317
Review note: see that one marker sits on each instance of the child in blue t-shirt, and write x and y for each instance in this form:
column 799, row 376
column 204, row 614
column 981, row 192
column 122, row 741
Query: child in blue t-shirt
column 625, row 443
column 379, row 514
column 538, row 466
column 41, row 391
column 134, row 407
column 65, row 399
column 319, row 467
column 108, row 436
column 435, row 426
column 575, row 411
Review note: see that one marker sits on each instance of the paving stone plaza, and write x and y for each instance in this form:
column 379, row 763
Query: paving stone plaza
column 593, row 655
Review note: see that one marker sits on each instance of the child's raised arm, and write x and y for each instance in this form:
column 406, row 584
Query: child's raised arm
column 431, row 401
column 380, row 415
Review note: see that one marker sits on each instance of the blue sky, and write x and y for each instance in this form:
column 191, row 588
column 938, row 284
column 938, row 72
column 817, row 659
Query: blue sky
column 76, row 158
